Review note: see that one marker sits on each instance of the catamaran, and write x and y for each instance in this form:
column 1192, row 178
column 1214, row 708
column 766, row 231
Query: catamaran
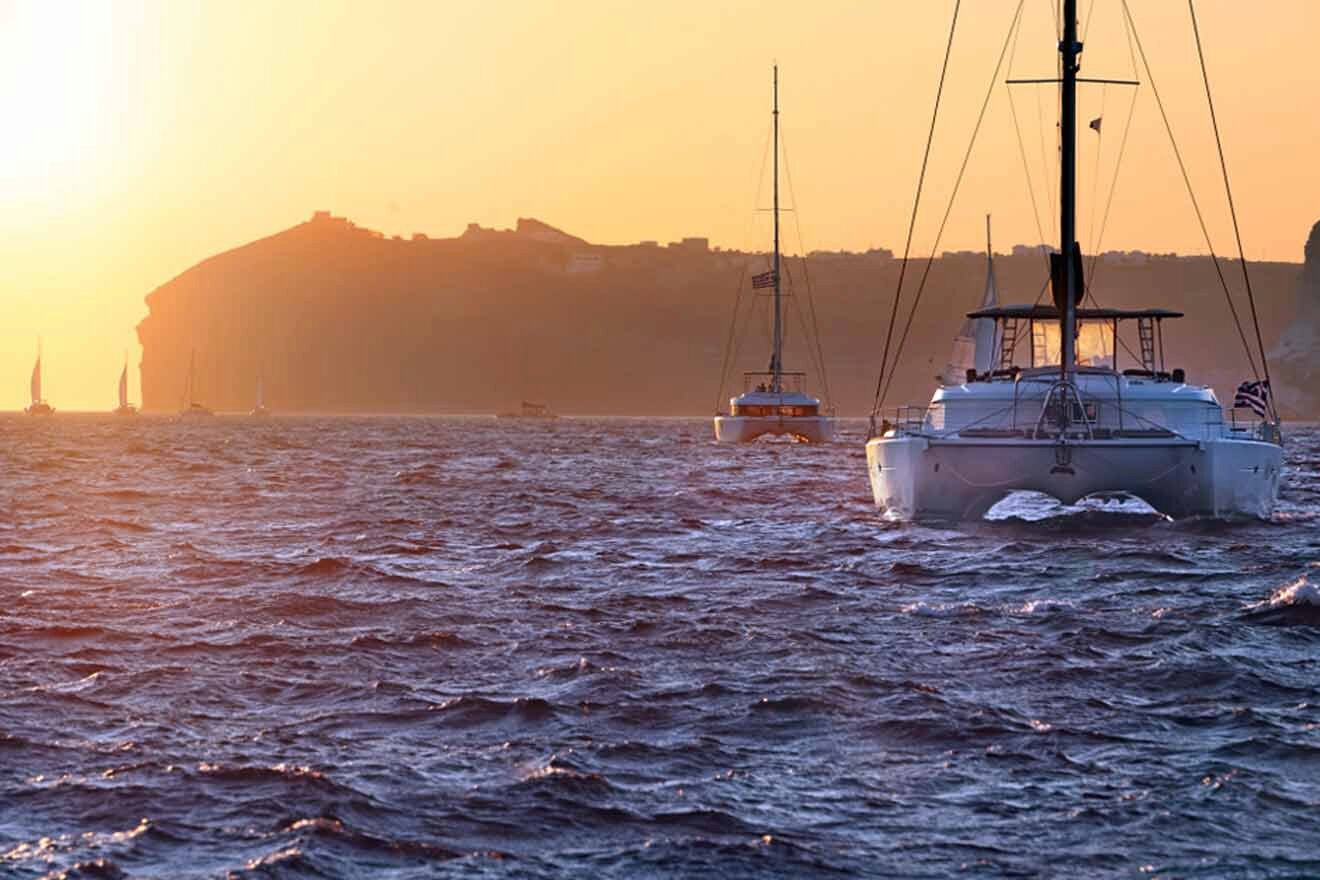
column 39, row 406
column 774, row 402
column 191, row 406
column 1057, row 415
column 125, row 408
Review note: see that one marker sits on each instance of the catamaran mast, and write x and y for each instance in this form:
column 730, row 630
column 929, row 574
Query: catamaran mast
column 1070, row 49
column 776, row 364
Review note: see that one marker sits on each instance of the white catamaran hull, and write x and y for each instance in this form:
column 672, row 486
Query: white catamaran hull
column 744, row 429
column 915, row 477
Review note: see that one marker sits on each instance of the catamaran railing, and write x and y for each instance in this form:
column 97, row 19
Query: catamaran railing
column 1034, row 418
column 789, row 383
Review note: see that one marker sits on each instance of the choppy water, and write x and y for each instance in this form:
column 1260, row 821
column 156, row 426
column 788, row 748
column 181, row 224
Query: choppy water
column 447, row 647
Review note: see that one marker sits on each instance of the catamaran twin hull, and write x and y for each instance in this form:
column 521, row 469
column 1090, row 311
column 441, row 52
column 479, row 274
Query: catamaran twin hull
column 744, row 429
column 916, row 477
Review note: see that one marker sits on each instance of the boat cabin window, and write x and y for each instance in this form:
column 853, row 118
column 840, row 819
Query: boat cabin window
column 771, row 411
column 1095, row 343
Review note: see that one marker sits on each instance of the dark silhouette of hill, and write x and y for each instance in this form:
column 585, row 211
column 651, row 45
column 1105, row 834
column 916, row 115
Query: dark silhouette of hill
column 343, row 319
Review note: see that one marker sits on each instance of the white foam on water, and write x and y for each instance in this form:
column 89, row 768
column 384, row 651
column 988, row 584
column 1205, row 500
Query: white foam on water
column 1029, row 506
column 1302, row 591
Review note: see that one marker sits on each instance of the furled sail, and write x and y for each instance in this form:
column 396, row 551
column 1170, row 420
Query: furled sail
column 976, row 343
column 123, row 387
column 36, row 381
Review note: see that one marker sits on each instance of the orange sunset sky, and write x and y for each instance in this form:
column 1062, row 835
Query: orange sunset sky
column 141, row 137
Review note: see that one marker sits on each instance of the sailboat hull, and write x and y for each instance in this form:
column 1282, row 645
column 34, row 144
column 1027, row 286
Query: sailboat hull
column 917, row 478
column 744, row 429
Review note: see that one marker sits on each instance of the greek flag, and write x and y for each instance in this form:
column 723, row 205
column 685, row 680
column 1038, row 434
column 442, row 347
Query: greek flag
column 1254, row 396
column 765, row 279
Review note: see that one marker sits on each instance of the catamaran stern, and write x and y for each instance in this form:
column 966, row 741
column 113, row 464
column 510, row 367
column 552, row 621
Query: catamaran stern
column 915, row 477
column 804, row 429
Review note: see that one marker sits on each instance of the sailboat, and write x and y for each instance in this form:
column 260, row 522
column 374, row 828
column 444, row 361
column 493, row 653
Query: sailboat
column 1068, row 422
column 975, row 345
column 260, row 409
column 774, row 403
column 192, row 407
column 125, row 408
column 39, row 406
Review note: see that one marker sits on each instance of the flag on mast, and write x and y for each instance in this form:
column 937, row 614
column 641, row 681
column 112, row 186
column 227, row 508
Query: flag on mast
column 1095, row 124
column 765, row 279
column 1254, row 396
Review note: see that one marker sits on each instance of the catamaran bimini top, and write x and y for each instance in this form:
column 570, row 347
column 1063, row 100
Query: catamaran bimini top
column 1050, row 313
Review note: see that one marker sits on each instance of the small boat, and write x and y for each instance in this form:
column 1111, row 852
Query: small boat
column 191, row 407
column 125, row 408
column 38, row 407
column 774, row 403
column 260, row 410
column 529, row 410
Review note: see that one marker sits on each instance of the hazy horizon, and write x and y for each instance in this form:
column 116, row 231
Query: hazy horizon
column 171, row 132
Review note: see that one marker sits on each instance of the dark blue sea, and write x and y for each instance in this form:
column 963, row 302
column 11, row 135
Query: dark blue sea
column 448, row 647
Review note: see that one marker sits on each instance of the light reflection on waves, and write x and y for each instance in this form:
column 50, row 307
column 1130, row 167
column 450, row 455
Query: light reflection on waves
column 409, row 647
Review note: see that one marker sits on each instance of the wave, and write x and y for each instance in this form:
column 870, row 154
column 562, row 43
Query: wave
column 1294, row 604
column 472, row 710
column 1107, row 509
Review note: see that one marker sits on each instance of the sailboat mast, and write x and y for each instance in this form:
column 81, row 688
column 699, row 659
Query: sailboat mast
column 776, row 362
column 1070, row 49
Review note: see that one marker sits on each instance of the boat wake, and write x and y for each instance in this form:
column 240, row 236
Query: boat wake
column 1108, row 509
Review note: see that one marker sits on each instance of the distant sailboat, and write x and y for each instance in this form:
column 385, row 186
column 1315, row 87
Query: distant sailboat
column 192, row 407
column 774, row 403
column 125, row 408
column 976, row 346
column 39, row 406
column 260, row 409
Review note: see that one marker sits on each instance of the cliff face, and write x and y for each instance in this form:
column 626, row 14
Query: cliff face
column 340, row 319
column 1294, row 359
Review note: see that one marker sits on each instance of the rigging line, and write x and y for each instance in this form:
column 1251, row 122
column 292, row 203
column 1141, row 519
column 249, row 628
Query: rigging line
column 916, row 204
column 814, row 332
column 1228, row 296
column 742, row 334
column 1045, row 167
column 1095, row 175
column 1118, row 164
column 1232, row 210
column 1044, row 287
column 1086, row 27
column 1022, row 149
column 802, row 322
column 729, row 340
column 953, row 196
